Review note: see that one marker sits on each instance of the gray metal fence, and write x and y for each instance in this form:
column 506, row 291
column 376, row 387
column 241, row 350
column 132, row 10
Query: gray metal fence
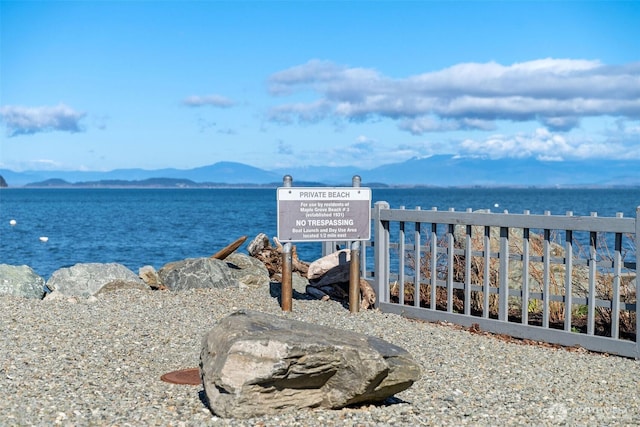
column 568, row 280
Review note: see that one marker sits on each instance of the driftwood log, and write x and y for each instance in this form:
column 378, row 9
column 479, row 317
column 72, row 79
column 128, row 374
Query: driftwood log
column 368, row 295
column 229, row 249
column 271, row 257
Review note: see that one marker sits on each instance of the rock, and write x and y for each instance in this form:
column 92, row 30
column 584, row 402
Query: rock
column 20, row 281
column 195, row 273
column 254, row 364
column 55, row 296
column 299, row 285
column 149, row 275
column 87, row 279
column 320, row 266
column 248, row 270
column 119, row 284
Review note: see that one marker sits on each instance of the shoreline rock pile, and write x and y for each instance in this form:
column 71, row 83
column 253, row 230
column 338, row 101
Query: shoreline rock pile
column 322, row 279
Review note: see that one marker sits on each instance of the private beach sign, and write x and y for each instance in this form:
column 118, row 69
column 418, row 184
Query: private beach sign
column 324, row 214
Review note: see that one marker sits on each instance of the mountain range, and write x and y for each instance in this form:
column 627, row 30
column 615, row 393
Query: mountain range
column 438, row 170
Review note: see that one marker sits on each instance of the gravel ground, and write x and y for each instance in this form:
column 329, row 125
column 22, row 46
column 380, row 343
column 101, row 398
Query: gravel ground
column 99, row 362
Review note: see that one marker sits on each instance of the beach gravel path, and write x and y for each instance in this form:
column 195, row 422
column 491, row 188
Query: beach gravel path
column 99, row 362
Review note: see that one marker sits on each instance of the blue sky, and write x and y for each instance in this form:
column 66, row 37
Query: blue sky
column 103, row 85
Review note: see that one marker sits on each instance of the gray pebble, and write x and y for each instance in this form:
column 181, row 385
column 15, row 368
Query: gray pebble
column 99, row 362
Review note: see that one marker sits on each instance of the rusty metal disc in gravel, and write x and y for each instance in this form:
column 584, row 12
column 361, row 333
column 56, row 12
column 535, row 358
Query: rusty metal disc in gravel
column 189, row 376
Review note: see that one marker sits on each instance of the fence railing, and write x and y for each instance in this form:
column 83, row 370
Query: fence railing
column 568, row 280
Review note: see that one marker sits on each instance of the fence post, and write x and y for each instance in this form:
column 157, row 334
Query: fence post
column 381, row 253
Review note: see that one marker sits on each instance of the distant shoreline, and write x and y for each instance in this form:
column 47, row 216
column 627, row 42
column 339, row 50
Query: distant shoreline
column 194, row 186
column 438, row 171
column 183, row 183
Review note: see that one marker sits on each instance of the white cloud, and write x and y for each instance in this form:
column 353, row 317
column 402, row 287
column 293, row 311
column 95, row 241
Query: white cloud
column 544, row 144
column 309, row 113
column 557, row 93
column 421, row 125
column 626, row 128
column 361, row 148
column 29, row 120
column 212, row 100
column 35, row 164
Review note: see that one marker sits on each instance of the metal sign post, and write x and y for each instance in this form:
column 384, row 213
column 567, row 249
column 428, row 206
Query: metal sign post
column 286, row 297
column 320, row 214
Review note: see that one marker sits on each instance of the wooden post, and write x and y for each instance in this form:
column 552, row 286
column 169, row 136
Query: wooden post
column 354, row 267
column 286, row 285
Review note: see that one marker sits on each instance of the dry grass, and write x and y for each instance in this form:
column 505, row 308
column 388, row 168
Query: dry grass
column 556, row 281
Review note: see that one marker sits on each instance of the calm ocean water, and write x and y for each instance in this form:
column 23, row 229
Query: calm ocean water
column 138, row 227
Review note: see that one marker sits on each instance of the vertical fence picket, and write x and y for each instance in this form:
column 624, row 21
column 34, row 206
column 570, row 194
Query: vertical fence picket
column 434, row 264
column 468, row 249
column 503, row 309
column 417, row 258
column 568, row 274
column 486, row 284
column 615, row 299
column 545, row 280
column 546, row 261
column 381, row 252
column 525, row 274
column 592, row 296
column 450, row 265
column 401, row 257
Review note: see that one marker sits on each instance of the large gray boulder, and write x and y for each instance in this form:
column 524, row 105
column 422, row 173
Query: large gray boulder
column 247, row 270
column 87, row 279
column 196, row 273
column 255, row 364
column 20, row 281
